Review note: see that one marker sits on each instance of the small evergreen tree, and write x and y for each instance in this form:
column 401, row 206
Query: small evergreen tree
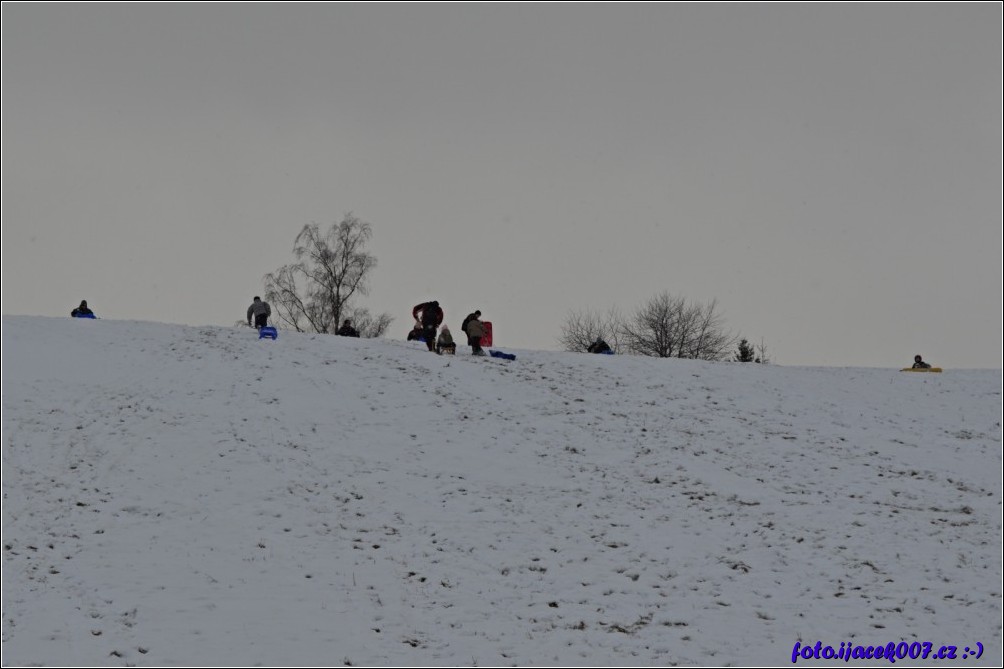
column 746, row 352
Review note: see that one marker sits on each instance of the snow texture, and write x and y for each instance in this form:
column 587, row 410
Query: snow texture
column 196, row 496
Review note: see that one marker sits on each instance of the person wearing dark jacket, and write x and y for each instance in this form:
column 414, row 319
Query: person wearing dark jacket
column 918, row 363
column 475, row 330
column 82, row 311
column 260, row 311
column 430, row 314
column 471, row 316
column 416, row 333
column 347, row 330
column 599, row 346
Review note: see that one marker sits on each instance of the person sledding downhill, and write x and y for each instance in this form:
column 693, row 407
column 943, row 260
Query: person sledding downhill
column 430, row 314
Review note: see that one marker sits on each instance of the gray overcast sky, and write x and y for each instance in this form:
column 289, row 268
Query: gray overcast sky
column 830, row 173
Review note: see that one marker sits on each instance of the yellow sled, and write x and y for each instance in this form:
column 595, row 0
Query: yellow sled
column 921, row 369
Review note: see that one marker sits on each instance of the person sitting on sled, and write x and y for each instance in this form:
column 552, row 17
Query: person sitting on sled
column 599, row 346
column 416, row 332
column 918, row 363
column 347, row 330
column 82, row 311
column 445, row 342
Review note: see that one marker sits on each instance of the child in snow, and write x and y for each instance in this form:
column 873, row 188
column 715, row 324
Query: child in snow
column 445, row 342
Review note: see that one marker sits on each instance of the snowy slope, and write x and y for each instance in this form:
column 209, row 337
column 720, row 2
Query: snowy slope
column 183, row 496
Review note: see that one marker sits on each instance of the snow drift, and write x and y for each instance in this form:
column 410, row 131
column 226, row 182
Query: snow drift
column 184, row 496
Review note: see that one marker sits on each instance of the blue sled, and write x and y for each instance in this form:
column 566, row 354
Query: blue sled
column 500, row 354
column 85, row 316
column 267, row 332
column 607, row 352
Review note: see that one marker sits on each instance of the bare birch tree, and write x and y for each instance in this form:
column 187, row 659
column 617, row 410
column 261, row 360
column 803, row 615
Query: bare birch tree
column 315, row 293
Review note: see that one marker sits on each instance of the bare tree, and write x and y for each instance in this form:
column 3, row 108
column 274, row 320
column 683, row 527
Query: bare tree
column 709, row 340
column 762, row 356
column 670, row 327
column 582, row 328
column 314, row 294
column 657, row 328
column 367, row 324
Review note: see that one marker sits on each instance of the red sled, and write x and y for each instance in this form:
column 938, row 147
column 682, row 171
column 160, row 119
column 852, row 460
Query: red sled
column 487, row 339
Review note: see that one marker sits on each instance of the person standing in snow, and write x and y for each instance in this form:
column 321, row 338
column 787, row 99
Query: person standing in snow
column 471, row 316
column 260, row 311
column 430, row 314
column 475, row 330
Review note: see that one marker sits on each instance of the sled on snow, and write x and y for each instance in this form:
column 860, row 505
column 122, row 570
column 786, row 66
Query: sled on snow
column 84, row 316
column 267, row 332
column 500, row 354
column 921, row 369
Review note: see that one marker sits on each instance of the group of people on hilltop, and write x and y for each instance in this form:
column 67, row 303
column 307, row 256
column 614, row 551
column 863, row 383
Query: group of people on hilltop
column 429, row 316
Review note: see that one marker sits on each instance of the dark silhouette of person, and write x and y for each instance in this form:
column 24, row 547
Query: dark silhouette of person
column 430, row 314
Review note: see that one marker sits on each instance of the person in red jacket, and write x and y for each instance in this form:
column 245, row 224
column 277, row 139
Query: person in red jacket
column 430, row 314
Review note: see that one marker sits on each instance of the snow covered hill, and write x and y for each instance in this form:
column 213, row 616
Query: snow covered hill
column 185, row 496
